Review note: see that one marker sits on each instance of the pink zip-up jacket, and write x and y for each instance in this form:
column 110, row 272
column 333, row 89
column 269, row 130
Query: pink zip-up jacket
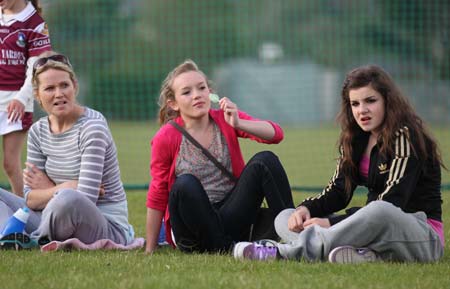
column 166, row 145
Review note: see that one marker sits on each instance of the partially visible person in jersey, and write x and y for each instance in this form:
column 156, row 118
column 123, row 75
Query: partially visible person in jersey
column 72, row 179
column 385, row 146
column 23, row 36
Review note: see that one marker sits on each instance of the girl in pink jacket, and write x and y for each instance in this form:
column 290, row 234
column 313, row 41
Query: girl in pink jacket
column 204, row 208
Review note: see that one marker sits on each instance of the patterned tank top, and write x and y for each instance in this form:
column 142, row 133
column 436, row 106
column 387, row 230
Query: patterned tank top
column 192, row 161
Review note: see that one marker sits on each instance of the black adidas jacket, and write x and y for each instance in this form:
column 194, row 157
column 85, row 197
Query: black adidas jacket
column 402, row 179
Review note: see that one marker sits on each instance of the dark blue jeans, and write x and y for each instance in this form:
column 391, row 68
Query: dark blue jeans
column 201, row 226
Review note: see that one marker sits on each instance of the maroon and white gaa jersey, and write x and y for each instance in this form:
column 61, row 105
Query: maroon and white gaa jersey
column 26, row 35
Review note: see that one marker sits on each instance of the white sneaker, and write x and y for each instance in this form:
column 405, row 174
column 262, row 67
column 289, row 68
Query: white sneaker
column 349, row 254
column 262, row 250
column 238, row 249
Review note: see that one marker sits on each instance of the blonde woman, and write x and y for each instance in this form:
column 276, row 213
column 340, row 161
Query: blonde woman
column 72, row 180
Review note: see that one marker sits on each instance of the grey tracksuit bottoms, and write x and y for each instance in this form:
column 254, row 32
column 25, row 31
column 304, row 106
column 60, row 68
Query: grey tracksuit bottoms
column 380, row 226
column 67, row 215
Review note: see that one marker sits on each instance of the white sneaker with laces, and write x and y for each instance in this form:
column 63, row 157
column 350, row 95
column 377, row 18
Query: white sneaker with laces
column 238, row 249
column 262, row 250
column 351, row 255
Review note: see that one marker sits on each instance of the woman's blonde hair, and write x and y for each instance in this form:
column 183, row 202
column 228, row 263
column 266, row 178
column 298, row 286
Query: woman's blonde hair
column 51, row 64
column 167, row 93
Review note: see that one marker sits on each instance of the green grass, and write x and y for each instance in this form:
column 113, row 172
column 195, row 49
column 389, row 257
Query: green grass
column 308, row 156
column 172, row 269
column 307, row 153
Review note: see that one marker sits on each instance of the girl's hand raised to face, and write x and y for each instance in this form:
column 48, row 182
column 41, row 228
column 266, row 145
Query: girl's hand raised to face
column 230, row 111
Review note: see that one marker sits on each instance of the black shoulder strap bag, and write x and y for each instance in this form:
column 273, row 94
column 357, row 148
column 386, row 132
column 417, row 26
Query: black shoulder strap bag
column 204, row 151
column 263, row 228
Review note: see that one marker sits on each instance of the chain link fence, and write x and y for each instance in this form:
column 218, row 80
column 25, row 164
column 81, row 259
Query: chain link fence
column 281, row 60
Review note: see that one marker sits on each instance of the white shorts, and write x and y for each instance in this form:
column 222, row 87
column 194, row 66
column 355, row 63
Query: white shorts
column 6, row 126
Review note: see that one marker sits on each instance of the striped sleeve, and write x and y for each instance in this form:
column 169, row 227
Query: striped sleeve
column 34, row 153
column 333, row 198
column 403, row 173
column 94, row 141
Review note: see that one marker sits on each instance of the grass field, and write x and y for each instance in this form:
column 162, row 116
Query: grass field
column 308, row 156
column 307, row 153
column 171, row 269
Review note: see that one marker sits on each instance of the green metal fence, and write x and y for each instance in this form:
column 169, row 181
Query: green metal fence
column 283, row 60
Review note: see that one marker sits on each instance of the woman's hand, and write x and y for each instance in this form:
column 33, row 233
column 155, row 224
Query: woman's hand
column 35, row 178
column 38, row 180
column 322, row 222
column 42, row 187
column 101, row 191
column 15, row 110
column 296, row 222
column 230, row 111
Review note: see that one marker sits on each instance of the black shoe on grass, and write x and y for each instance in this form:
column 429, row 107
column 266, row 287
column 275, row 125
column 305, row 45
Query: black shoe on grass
column 17, row 241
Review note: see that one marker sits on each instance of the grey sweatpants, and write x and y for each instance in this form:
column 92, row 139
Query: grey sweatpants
column 380, row 226
column 67, row 215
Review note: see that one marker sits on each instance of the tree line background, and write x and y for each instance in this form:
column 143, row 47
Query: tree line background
column 122, row 49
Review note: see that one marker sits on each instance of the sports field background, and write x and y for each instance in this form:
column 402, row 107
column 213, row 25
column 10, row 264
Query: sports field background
column 281, row 60
column 169, row 268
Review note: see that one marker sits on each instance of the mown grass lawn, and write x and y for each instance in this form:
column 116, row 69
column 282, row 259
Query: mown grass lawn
column 172, row 269
column 307, row 153
column 308, row 156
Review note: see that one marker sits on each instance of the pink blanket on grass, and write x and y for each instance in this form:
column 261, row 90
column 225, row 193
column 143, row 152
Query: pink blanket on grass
column 107, row 244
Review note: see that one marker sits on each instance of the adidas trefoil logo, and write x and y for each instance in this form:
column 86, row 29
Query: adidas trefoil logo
column 383, row 168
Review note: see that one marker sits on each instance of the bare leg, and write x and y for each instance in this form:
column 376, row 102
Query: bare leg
column 12, row 163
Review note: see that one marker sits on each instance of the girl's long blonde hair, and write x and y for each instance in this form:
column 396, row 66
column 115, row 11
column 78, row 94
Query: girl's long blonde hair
column 167, row 94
